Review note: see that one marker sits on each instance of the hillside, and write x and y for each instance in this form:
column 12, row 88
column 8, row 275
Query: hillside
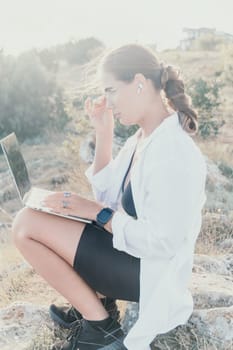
column 55, row 164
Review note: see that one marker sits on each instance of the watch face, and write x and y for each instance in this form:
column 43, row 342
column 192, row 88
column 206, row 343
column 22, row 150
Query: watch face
column 105, row 215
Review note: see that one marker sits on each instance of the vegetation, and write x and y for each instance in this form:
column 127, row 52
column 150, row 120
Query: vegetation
column 206, row 99
column 30, row 100
column 227, row 65
column 209, row 42
column 226, row 170
column 73, row 52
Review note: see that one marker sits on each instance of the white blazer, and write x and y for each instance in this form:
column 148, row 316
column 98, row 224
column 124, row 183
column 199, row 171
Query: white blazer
column 168, row 186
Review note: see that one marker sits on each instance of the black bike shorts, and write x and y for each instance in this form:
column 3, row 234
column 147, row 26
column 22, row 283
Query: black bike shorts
column 105, row 269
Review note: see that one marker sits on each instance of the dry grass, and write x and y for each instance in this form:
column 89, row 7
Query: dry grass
column 77, row 179
column 216, row 228
column 217, row 151
column 43, row 340
column 18, row 281
column 187, row 338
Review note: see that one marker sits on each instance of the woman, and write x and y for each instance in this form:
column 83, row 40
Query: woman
column 147, row 210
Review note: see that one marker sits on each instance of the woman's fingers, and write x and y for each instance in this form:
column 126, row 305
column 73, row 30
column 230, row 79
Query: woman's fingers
column 91, row 107
column 98, row 112
column 99, row 102
column 88, row 106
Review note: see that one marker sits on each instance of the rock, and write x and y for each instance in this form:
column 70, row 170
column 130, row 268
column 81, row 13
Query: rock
column 211, row 290
column 212, row 319
column 87, row 148
column 220, row 265
column 229, row 263
column 218, row 189
column 130, row 316
column 59, row 180
column 214, row 175
column 227, row 245
column 21, row 323
column 216, row 323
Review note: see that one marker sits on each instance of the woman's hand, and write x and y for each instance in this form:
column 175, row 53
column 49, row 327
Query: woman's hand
column 69, row 203
column 100, row 116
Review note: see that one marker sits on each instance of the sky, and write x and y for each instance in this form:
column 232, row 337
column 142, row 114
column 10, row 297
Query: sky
column 26, row 24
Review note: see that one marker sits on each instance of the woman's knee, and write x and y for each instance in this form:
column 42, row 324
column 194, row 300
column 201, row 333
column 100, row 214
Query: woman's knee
column 21, row 226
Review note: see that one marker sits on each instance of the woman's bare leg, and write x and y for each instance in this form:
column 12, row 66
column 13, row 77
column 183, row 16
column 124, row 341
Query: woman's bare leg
column 49, row 244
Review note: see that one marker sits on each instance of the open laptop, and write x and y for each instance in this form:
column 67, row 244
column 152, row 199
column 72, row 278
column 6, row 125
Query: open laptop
column 31, row 197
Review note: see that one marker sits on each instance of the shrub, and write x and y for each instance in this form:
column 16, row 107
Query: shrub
column 227, row 73
column 206, row 99
column 123, row 131
column 30, row 100
column 73, row 52
column 209, row 42
column 226, row 170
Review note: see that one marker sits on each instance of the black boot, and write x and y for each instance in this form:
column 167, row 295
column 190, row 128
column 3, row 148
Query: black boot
column 94, row 335
column 67, row 316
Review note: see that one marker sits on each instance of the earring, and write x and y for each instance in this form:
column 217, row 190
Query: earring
column 139, row 88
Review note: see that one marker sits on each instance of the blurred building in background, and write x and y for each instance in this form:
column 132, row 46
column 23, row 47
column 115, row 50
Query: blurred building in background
column 192, row 34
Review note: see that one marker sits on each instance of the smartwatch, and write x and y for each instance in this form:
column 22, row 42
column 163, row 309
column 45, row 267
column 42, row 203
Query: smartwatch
column 104, row 216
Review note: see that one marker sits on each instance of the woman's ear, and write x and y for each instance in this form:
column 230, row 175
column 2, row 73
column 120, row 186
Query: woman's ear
column 139, row 81
column 139, row 78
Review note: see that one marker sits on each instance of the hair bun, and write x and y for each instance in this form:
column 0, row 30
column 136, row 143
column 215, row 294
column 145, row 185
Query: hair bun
column 168, row 73
column 188, row 123
column 164, row 76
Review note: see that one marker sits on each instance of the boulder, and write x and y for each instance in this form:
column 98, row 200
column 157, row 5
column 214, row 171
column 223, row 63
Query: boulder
column 216, row 324
column 222, row 265
column 212, row 320
column 23, row 325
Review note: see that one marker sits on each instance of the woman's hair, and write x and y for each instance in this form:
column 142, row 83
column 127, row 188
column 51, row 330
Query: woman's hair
column 128, row 60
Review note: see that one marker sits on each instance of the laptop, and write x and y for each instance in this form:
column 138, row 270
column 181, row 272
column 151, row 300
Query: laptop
column 31, row 197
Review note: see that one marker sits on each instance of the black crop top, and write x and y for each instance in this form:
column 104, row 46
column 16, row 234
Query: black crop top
column 127, row 196
column 128, row 202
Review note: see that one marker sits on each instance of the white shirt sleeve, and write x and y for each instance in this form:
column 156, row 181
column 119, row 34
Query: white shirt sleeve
column 173, row 200
column 100, row 181
column 105, row 183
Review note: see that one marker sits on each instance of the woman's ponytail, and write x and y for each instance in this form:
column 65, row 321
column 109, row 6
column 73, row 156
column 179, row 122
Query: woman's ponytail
column 173, row 87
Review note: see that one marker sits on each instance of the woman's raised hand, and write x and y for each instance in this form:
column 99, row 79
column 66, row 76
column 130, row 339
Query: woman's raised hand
column 100, row 116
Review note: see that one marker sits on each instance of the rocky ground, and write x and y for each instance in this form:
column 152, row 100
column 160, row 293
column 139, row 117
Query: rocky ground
column 24, row 297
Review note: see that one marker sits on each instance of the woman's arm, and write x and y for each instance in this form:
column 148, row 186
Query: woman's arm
column 103, row 151
column 101, row 118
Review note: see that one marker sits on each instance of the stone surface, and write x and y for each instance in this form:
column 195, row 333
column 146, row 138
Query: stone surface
column 222, row 265
column 212, row 289
column 19, row 325
column 227, row 245
column 216, row 323
column 219, row 189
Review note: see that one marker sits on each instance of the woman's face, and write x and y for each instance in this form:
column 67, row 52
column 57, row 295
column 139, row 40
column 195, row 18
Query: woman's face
column 123, row 98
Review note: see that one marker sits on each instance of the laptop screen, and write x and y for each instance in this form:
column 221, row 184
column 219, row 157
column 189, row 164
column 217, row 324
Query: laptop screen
column 11, row 150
